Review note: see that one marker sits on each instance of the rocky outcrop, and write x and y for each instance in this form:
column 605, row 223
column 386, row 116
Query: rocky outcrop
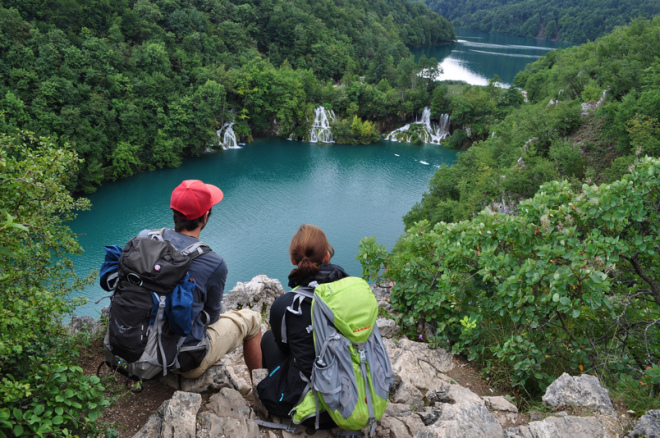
column 584, row 390
column 424, row 402
column 648, row 426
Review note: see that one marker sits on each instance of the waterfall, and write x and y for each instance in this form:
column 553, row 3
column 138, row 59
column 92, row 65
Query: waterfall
column 428, row 132
column 320, row 131
column 227, row 137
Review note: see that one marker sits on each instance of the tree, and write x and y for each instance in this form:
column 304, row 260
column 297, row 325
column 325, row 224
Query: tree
column 568, row 284
column 39, row 379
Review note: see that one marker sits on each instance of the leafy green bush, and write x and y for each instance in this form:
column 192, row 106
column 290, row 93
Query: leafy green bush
column 566, row 285
column 42, row 391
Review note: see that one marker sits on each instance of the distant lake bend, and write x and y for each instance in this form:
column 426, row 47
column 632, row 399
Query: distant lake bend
column 271, row 187
column 476, row 57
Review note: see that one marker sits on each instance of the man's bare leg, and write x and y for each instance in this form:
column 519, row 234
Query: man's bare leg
column 252, row 353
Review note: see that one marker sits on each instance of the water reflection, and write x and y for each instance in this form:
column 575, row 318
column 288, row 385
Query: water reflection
column 454, row 69
column 477, row 56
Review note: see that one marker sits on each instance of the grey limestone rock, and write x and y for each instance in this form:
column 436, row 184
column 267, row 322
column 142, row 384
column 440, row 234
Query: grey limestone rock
column 381, row 292
column 213, row 380
column 648, row 426
column 174, row 419
column 228, row 415
column 499, row 403
column 388, row 327
column 258, row 294
column 416, row 363
column 153, row 426
column 86, row 325
column 409, row 395
column 399, row 427
column 463, row 420
column 584, row 390
column 560, row 427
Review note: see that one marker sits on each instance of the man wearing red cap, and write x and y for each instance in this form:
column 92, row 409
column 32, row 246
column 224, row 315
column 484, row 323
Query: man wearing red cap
column 213, row 334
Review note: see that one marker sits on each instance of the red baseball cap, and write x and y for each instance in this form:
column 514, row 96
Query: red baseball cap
column 192, row 198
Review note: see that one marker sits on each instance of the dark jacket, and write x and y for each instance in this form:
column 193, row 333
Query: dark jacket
column 282, row 389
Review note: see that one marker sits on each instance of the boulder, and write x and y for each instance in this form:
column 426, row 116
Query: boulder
column 556, row 427
column 584, row 390
column 258, row 294
column 176, row 418
column 213, row 380
column 463, row 420
column 85, row 325
column 647, row 426
column 418, row 364
column 499, row 403
column 388, row 327
column 228, row 415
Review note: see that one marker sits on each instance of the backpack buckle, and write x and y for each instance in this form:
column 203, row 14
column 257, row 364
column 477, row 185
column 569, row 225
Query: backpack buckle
column 133, row 278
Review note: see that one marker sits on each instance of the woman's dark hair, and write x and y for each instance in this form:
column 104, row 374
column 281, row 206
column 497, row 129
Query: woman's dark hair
column 308, row 249
column 181, row 224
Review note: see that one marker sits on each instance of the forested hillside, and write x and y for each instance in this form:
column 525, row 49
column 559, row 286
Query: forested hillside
column 137, row 85
column 573, row 21
column 560, row 134
column 537, row 253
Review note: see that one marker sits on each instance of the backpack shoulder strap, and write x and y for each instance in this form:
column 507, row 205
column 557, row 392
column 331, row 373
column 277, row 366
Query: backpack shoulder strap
column 196, row 249
column 301, row 293
column 157, row 234
column 193, row 250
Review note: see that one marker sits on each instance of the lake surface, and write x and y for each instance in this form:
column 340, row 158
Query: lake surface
column 477, row 56
column 271, row 187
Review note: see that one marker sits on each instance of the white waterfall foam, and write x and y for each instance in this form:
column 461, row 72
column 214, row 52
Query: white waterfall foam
column 320, row 131
column 227, row 137
column 428, row 132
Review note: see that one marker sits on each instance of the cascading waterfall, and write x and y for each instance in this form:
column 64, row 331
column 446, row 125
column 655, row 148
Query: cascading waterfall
column 320, row 131
column 428, row 132
column 227, row 137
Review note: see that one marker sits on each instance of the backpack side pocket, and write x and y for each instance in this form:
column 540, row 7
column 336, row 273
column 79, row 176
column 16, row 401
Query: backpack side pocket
column 379, row 365
column 334, row 376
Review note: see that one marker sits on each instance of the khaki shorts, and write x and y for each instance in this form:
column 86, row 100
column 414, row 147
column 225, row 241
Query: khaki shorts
column 231, row 330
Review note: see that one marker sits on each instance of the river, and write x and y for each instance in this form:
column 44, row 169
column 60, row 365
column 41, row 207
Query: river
column 478, row 56
column 271, row 187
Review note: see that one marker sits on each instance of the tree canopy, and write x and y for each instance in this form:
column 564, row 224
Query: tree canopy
column 592, row 110
column 576, row 21
column 136, row 85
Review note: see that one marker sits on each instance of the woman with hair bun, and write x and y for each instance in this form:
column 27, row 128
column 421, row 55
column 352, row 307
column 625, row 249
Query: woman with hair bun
column 290, row 363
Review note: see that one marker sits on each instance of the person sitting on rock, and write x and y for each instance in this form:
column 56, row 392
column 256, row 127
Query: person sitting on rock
column 191, row 203
column 310, row 252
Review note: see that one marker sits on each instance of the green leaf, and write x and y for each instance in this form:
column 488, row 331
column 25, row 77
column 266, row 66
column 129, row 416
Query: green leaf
column 596, row 277
column 576, row 313
column 555, row 297
column 565, row 301
column 39, row 409
column 18, row 430
column 18, row 414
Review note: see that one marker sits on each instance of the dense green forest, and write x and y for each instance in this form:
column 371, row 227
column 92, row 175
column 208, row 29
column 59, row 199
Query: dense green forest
column 537, row 252
column 573, row 21
column 137, row 85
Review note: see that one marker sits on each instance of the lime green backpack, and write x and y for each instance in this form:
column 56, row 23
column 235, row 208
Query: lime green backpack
column 352, row 373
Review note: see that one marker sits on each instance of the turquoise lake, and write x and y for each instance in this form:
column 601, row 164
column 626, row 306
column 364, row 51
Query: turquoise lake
column 271, row 187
